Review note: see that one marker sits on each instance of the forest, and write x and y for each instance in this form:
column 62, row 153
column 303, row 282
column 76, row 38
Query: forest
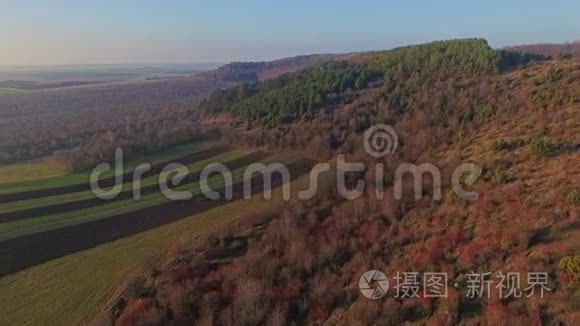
column 291, row 97
column 402, row 71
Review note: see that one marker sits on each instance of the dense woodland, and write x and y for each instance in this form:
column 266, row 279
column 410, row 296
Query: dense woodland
column 450, row 102
column 288, row 98
column 403, row 71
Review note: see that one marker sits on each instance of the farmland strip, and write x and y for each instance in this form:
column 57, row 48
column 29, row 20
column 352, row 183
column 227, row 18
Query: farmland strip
column 109, row 182
column 33, row 249
column 72, row 206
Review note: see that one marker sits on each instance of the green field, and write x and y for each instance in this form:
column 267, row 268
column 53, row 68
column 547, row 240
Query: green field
column 66, row 198
column 74, row 288
column 44, row 223
column 33, row 170
column 8, row 90
column 36, row 175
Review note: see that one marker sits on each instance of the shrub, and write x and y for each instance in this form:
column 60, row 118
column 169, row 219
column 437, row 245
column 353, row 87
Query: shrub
column 451, row 197
column 500, row 175
column 506, row 242
column 501, row 145
column 565, row 55
column 540, row 146
column 571, row 266
column 572, row 198
column 555, row 75
column 498, row 171
column 143, row 311
column 251, row 301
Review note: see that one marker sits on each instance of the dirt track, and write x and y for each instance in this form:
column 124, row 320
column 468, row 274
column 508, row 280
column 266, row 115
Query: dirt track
column 109, row 182
column 192, row 178
column 27, row 251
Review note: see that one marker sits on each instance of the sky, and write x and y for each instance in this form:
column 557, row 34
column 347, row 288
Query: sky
column 46, row 32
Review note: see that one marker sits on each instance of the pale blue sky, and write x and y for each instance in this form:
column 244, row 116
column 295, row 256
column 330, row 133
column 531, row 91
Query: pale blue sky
column 119, row 31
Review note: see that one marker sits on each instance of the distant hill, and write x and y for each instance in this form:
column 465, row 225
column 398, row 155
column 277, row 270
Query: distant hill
column 554, row 50
column 259, row 71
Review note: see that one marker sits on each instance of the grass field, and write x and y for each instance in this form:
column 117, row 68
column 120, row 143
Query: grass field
column 6, row 90
column 73, row 288
column 33, row 170
column 66, row 198
column 28, row 176
column 44, row 223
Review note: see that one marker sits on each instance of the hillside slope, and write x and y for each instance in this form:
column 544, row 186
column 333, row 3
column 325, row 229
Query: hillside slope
column 449, row 104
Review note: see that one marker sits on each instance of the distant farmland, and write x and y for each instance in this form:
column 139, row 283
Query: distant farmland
column 97, row 72
column 141, row 112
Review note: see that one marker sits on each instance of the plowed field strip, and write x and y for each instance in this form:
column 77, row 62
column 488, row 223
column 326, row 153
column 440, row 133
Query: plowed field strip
column 110, row 181
column 192, row 178
column 30, row 250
